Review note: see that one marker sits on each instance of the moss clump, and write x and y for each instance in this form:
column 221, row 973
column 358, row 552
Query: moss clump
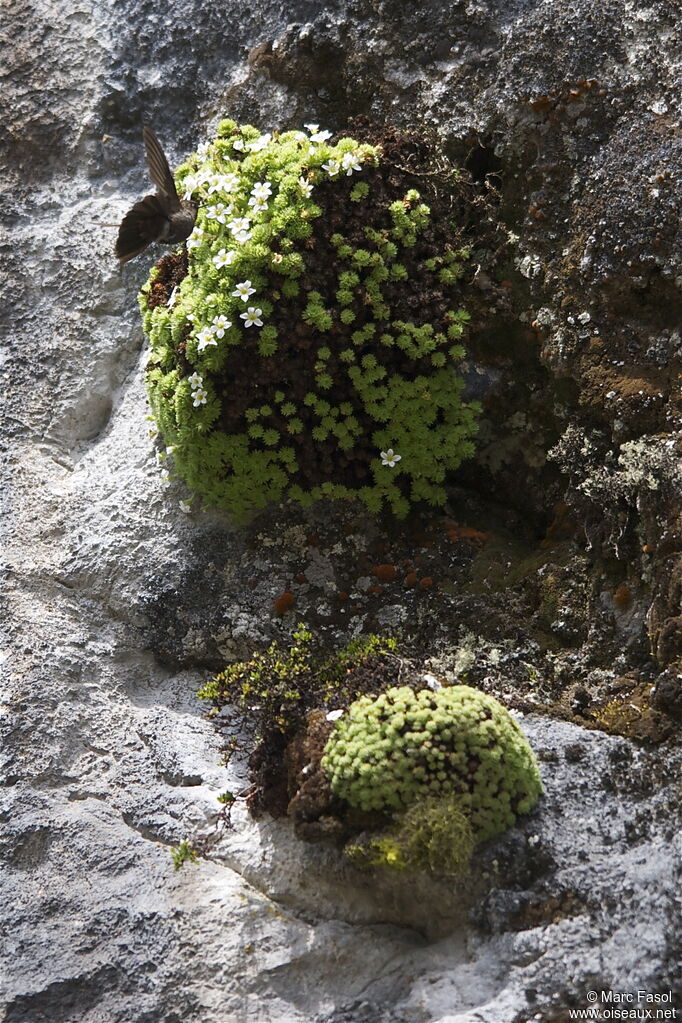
column 434, row 835
column 277, row 687
column 316, row 325
column 272, row 694
column 388, row 753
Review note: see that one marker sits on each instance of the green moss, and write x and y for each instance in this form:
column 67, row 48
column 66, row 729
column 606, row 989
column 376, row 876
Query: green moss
column 433, row 834
column 403, row 747
column 275, row 688
column 270, row 213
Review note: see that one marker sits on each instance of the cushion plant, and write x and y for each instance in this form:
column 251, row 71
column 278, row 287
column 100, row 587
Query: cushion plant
column 404, row 746
column 306, row 344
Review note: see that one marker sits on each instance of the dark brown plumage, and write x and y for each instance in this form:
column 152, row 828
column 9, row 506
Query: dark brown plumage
column 163, row 217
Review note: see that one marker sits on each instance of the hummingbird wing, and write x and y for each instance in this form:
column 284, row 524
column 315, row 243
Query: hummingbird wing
column 159, row 171
column 145, row 223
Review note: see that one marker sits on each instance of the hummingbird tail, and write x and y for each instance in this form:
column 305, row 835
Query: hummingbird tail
column 145, row 223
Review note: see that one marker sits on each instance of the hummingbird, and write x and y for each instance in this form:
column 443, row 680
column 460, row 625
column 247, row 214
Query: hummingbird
column 163, row 217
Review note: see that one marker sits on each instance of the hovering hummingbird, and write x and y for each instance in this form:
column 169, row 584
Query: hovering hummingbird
column 163, row 217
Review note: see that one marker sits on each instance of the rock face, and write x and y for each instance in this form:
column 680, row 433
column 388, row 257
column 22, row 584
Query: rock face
column 554, row 583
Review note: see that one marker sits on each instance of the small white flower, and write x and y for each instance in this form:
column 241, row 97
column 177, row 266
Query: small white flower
column 196, row 238
column 306, row 186
column 389, row 457
column 223, row 258
column 195, row 381
column 165, row 479
column 251, row 317
column 260, row 143
column 172, row 298
column 334, row 715
column 190, row 185
column 203, row 148
column 170, row 449
column 258, row 205
column 223, row 183
column 185, row 506
column 262, row 190
column 190, row 316
column 239, row 145
column 243, row 291
column 205, row 338
column 242, row 236
column 349, row 163
column 332, row 167
column 312, row 128
column 199, row 397
column 219, row 212
column 320, row 136
column 277, row 258
column 214, row 185
column 239, row 224
column 220, row 325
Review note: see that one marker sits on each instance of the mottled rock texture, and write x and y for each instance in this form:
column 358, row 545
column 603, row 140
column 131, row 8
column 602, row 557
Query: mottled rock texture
column 554, row 582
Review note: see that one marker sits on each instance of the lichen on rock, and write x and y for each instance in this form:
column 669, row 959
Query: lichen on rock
column 308, row 346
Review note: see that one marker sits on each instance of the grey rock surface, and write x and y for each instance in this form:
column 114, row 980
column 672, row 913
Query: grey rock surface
column 118, row 605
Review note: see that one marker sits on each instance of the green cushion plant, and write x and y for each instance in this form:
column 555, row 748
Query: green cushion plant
column 404, row 747
column 306, row 345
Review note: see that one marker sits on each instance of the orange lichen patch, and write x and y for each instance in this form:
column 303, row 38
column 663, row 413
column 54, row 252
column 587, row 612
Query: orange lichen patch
column 300, row 578
column 622, row 596
column 342, row 595
column 284, row 602
column 411, row 578
column 474, row 537
column 374, row 589
column 426, row 583
column 638, row 388
column 385, row 573
column 542, row 104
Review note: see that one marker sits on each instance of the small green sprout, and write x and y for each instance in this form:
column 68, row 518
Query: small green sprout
column 183, row 853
